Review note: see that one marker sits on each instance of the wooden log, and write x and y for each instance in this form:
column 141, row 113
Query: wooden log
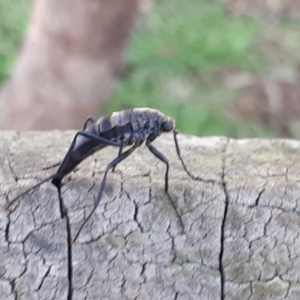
column 242, row 235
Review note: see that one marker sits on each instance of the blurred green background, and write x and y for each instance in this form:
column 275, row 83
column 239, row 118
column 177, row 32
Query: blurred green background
column 198, row 62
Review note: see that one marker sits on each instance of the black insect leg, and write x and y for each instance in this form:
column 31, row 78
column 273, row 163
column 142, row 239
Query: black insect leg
column 61, row 171
column 89, row 119
column 96, row 203
column 10, row 203
column 160, row 156
column 95, row 138
column 57, row 177
column 92, row 136
column 119, row 154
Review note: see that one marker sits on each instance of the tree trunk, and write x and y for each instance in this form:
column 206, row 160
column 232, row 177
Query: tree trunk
column 68, row 63
column 241, row 236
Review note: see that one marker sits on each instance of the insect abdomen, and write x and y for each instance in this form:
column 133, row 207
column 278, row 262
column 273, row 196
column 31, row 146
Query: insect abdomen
column 84, row 147
column 116, row 127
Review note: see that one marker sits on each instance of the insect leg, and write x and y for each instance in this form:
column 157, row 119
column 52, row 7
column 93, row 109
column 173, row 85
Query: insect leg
column 120, row 152
column 10, row 203
column 92, row 136
column 160, row 156
column 96, row 138
column 96, row 203
column 56, row 178
column 61, row 171
column 89, row 119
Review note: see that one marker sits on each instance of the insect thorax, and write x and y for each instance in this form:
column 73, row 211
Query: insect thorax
column 145, row 122
column 130, row 126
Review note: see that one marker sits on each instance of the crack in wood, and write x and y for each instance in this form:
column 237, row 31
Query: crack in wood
column 64, row 215
column 221, row 268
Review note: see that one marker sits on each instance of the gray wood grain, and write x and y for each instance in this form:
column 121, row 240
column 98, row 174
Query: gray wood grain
column 242, row 236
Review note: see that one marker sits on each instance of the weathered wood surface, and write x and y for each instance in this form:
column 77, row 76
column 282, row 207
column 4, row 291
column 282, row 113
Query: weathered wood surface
column 242, row 236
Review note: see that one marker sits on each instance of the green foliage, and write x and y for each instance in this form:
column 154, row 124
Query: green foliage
column 174, row 60
column 193, row 35
column 14, row 16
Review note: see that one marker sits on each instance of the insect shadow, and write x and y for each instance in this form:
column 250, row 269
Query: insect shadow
column 130, row 127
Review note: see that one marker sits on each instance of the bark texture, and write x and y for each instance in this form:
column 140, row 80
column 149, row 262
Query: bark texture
column 242, row 235
column 68, row 63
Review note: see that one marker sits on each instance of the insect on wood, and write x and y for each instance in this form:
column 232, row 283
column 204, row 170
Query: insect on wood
column 125, row 128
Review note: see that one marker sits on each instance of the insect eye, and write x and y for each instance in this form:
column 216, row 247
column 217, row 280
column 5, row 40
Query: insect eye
column 168, row 125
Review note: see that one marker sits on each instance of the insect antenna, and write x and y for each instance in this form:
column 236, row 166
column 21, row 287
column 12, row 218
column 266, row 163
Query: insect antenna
column 10, row 203
column 179, row 155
